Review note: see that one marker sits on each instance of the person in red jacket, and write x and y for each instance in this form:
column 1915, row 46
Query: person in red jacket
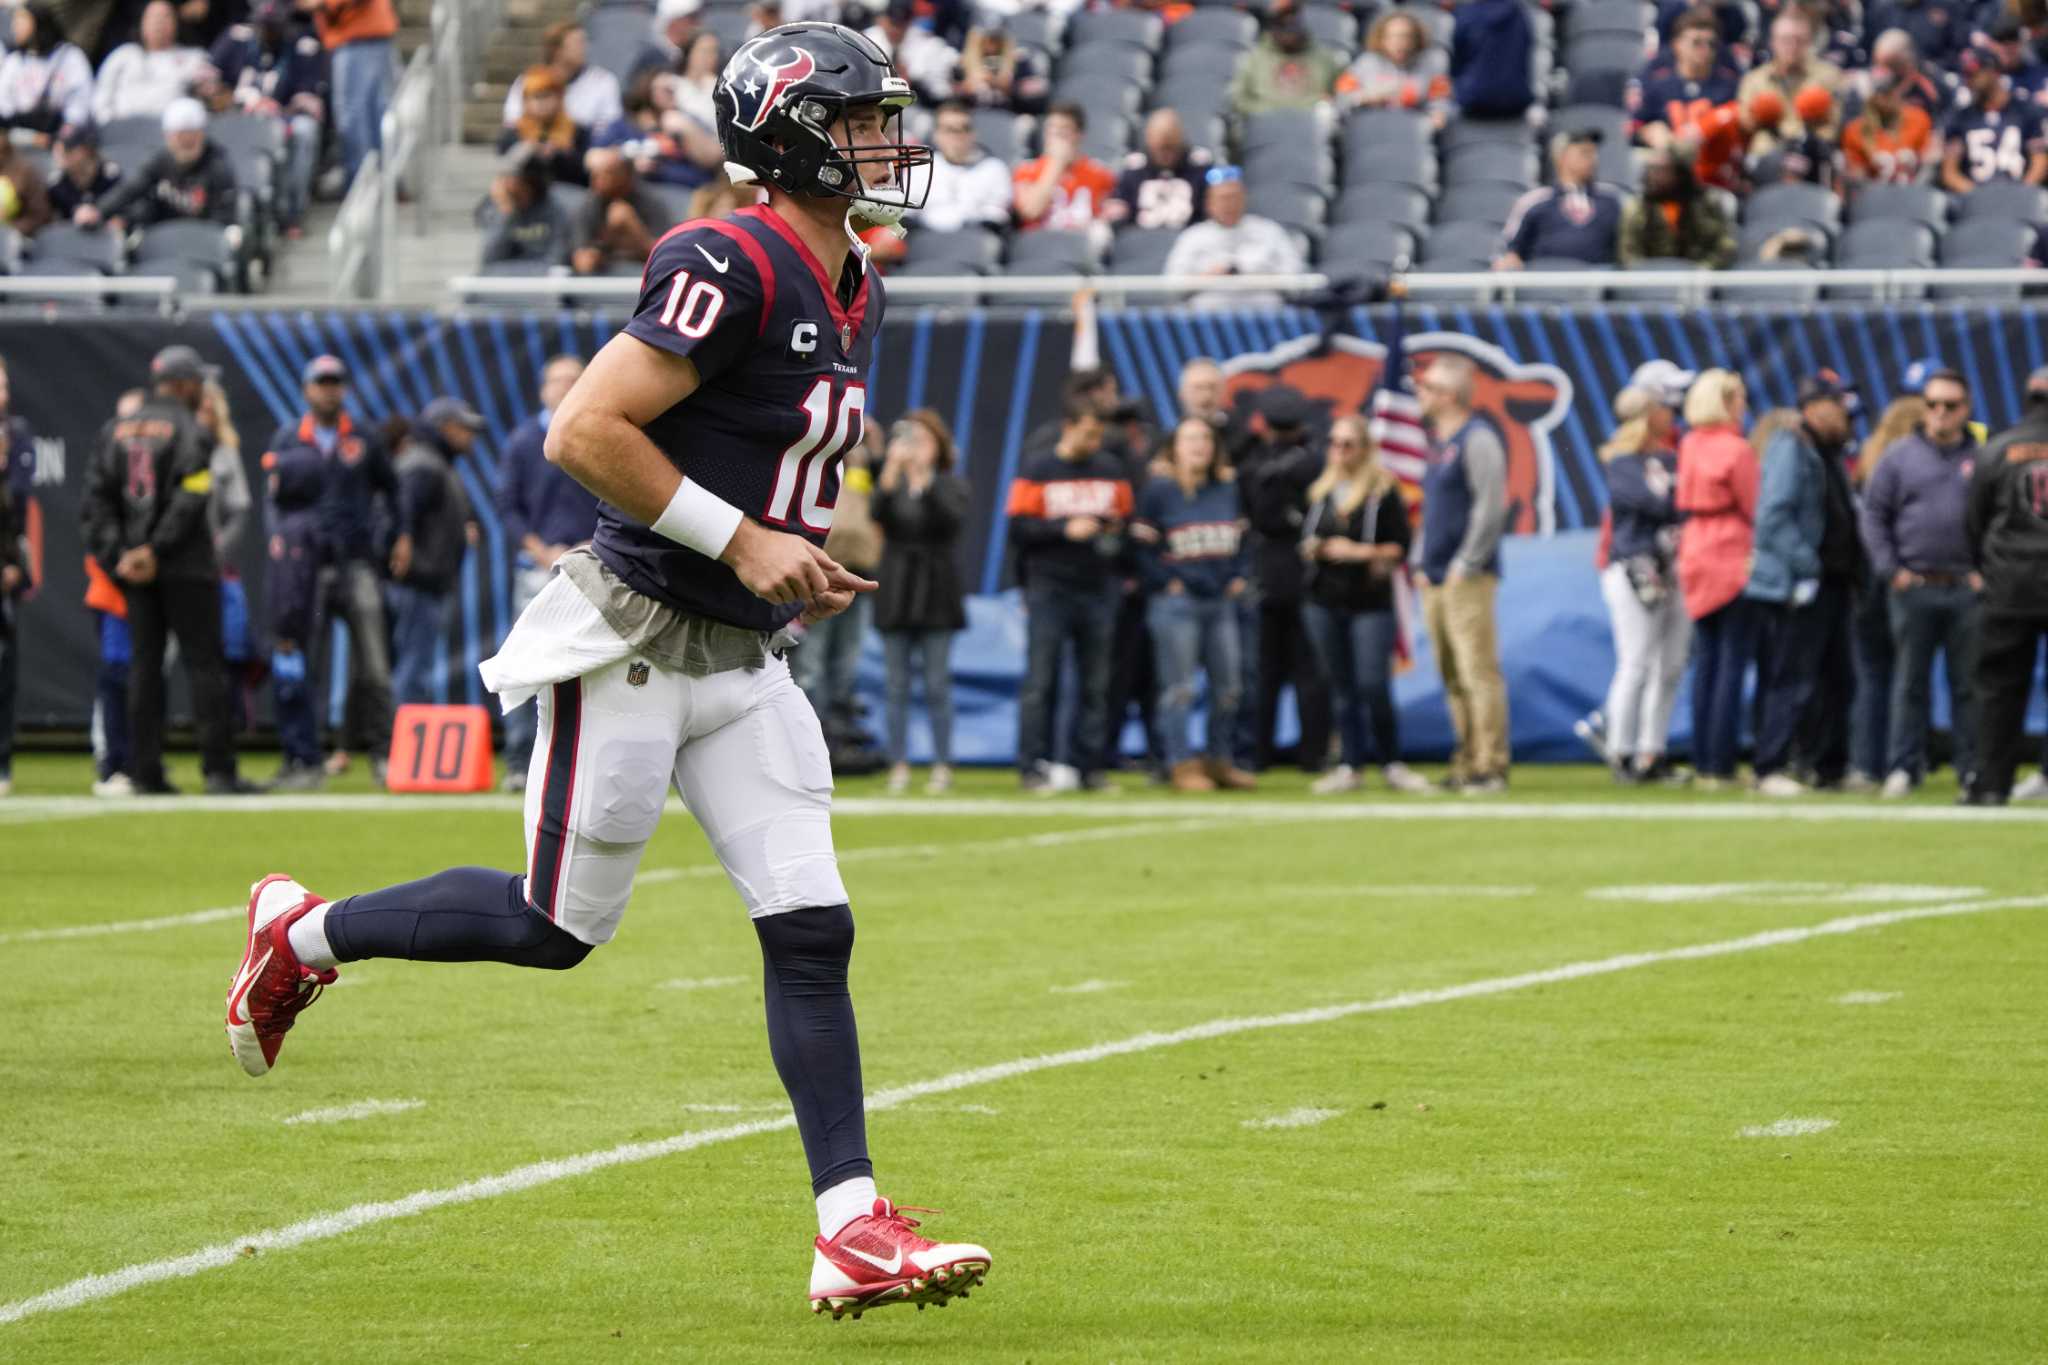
column 1717, row 492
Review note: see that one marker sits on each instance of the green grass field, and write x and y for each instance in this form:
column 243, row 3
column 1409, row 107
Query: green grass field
column 1550, row 1164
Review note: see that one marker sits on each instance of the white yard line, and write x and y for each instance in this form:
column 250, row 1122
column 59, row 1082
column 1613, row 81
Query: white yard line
column 1295, row 1118
column 129, row 926
column 1866, row 997
column 348, row 1113
column 1415, row 891
column 1089, row 987
column 92, row 1288
column 702, row 983
column 1788, row 1128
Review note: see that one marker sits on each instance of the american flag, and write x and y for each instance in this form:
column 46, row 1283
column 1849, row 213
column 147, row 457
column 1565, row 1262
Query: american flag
column 1396, row 418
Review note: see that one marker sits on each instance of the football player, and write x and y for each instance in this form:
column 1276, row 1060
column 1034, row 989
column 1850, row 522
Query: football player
column 712, row 429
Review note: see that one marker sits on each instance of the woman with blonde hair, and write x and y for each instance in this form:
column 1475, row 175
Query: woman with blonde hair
column 229, row 503
column 1354, row 538
column 920, row 504
column 1870, row 625
column 1399, row 69
column 1651, row 629
column 1717, row 493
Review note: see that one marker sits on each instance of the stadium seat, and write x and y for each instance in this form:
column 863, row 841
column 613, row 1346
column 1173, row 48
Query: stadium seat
column 2003, row 199
column 517, row 268
column 1296, row 163
column 1107, row 139
column 1002, row 134
column 1460, row 134
column 1473, row 244
column 1037, row 28
column 1205, row 62
column 1489, row 162
column 1789, row 204
column 1372, row 128
column 1046, row 252
column 1912, row 203
column 1988, row 244
column 1608, row 87
column 1137, row 28
column 1284, row 128
column 1383, row 203
column 618, row 35
column 1482, row 202
column 569, row 199
column 1208, row 132
column 1751, row 238
column 1800, row 285
column 1363, row 247
column 1881, row 246
column 1640, row 292
column 1103, row 102
column 967, row 251
column 131, row 141
column 186, row 245
column 1612, row 123
column 1197, row 99
column 1105, row 61
column 1397, row 162
column 1623, row 52
column 1332, row 27
column 94, row 250
column 731, row 25
column 1226, row 28
column 1626, row 17
column 1294, row 206
column 1141, row 251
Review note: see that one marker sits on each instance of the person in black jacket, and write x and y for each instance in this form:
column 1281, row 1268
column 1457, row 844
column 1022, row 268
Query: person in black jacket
column 17, row 468
column 1273, row 482
column 919, row 503
column 144, row 514
column 434, row 504
column 2007, row 523
column 1652, row 633
column 190, row 178
column 1353, row 542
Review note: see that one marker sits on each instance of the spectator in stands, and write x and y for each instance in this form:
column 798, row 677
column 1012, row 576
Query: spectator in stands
column 144, row 519
column 1894, row 61
column 189, row 178
column 666, row 145
column 1676, row 88
column 1063, row 188
column 693, row 90
column 520, row 220
column 1715, row 137
column 1231, row 241
column 83, row 175
column 1572, row 218
column 1805, row 566
column 1274, row 474
column 1399, row 69
column 444, row 529
column 1288, row 69
column 1717, row 499
column 1161, row 186
column 544, row 129
column 1810, row 156
column 24, row 201
column 17, row 473
column 1994, row 136
column 359, row 491
column 358, row 36
column 267, row 69
column 2008, row 530
column 675, row 24
column 545, row 514
column 1938, row 31
column 1791, row 68
column 1652, row 633
column 140, row 79
column 920, row 504
column 1067, row 516
column 45, row 82
column 619, row 220
column 998, row 72
column 1189, row 528
column 1673, row 218
column 1731, row 21
column 920, row 55
column 1914, row 524
column 968, row 185
column 1354, row 541
column 1491, row 43
column 590, row 94
column 2005, row 40
column 1891, row 142
column 1464, row 515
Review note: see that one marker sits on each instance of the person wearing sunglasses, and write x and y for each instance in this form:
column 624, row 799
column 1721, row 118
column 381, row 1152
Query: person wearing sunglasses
column 1914, row 523
column 969, row 187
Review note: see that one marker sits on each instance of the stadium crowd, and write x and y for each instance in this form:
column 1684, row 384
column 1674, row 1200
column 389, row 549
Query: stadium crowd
column 197, row 139
column 1149, row 137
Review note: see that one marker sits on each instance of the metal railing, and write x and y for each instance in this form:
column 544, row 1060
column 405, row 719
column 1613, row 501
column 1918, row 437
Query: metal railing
column 1689, row 286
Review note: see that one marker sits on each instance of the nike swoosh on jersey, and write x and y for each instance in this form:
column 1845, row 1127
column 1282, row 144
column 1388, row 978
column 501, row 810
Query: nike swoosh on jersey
column 718, row 263
column 888, row 1267
column 241, row 993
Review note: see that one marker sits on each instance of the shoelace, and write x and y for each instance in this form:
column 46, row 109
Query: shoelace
column 287, row 998
column 896, row 1215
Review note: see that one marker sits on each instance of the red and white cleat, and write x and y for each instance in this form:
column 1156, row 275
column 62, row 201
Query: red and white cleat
column 271, row 986
column 880, row 1260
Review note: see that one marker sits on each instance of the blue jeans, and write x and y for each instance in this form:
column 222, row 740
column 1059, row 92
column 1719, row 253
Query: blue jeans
column 110, row 698
column 528, row 578
column 936, row 648
column 1925, row 619
column 1190, row 633
column 419, row 622
column 298, row 732
column 362, row 88
column 1805, row 676
column 301, row 160
column 1724, row 643
column 1357, row 650
column 1057, row 617
column 1870, row 638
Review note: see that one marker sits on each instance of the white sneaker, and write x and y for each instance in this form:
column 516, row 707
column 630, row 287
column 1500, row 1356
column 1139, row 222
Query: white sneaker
column 1342, row 778
column 6, row 787
column 2034, row 788
column 1592, row 732
column 941, row 780
column 899, row 779
column 1061, row 777
column 1856, row 783
column 1898, row 786
column 1402, row 778
column 1780, row 785
column 118, row 785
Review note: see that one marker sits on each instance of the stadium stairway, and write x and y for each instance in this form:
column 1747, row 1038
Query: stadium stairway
column 513, row 47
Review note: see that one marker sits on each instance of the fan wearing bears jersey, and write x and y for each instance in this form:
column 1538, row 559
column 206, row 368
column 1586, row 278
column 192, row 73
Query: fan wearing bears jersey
column 712, row 429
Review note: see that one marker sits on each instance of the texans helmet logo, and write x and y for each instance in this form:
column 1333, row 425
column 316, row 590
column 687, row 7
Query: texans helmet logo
column 758, row 95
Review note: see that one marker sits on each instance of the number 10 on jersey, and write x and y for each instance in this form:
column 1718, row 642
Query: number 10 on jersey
column 833, row 429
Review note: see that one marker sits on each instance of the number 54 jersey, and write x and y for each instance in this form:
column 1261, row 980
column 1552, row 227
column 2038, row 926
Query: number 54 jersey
column 782, row 364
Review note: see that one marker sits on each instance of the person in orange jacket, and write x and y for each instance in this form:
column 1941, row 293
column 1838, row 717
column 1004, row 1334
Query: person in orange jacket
column 357, row 34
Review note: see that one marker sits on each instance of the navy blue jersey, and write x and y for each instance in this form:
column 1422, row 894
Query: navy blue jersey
column 1668, row 98
column 782, row 365
column 1997, row 143
column 1575, row 224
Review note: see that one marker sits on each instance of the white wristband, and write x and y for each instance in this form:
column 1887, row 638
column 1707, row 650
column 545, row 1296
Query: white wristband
column 698, row 518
